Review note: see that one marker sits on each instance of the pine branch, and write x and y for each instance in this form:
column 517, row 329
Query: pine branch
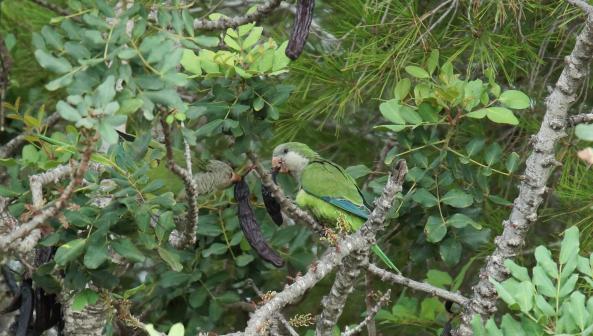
column 540, row 164
column 398, row 279
column 224, row 23
column 359, row 240
column 370, row 315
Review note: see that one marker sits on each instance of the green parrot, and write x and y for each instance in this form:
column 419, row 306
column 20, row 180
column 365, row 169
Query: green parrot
column 325, row 189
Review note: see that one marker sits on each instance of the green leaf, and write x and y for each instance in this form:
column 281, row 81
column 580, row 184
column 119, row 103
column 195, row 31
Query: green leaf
column 84, row 298
column 105, row 92
column 544, row 259
column 460, row 221
column 501, row 115
column 450, row 251
column 425, row 198
column 435, row 229
column 394, row 128
column 477, row 114
column 59, row 65
column 9, row 41
column 96, row 255
column 171, row 258
column 68, row 112
column 129, row 106
column 492, row 329
column 503, row 293
column 457, row 198
column 477, row 326
column 244, row 259
column 410, row 116
column 69, row 251
column 391, row 111
column 207, row 41
column 577, row 310
column 520, row 273
column 438, row 278
column 402, row 88
column 209, row 128
column 568, row 286
column 472, row 92
column 514, row 99
column 433, row 61
column 214, row 249
column 544, row 306
column 229, row 41
column 358, row 171
column 417, row 72
column 569, row 249
column 524, row 296
column 512, row 162
column 177, row 330
column 543, row 283
column 474, row 146
column 108, row 133
column 511, row 327
column 191, row 62
column 198, row 297
column 252, row 38
column 584, row 132
column 128, row 250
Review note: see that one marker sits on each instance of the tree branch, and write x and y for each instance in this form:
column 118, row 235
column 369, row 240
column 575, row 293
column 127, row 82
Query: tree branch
column 189, row 235
column 539, row 167
column 370, row 315
column 287, row 205
column 10, row 147
column 416, row 285
column 582, row 5
column 224, row 23
column 333, row 303
column 24, row 237
column 583, row 118
column 359, row 240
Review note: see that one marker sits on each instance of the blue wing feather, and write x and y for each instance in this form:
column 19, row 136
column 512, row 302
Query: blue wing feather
column 346, row 205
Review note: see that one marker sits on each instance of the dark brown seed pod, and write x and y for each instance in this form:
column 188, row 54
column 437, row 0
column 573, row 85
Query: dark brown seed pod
column 26, row 310
column 300, row 29
column 272, row 206
column 251, row 228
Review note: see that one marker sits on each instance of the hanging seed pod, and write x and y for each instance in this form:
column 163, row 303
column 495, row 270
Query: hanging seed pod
column 26, row 309
column 272, row 206
column 300, row 29
column 251, row 228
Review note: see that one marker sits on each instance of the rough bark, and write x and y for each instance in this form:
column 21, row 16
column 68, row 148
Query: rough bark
column 88, row 322
column 540, row 164
column 224, row 23
column 333, row 303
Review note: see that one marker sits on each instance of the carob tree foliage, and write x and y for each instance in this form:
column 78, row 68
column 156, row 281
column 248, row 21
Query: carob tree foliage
column 149, row 235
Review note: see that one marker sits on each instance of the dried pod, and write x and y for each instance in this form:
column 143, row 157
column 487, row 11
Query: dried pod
column 26, row 310
column 272, row 206
column 300, row 29
column 251, row 228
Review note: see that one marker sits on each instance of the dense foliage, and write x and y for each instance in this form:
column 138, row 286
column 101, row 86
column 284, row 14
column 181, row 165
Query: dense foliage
column 455, row 91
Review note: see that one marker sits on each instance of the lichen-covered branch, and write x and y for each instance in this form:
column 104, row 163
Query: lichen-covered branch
column 189, row 233
column 279, row 315
column 583, row 118
column 225, row 22
column 370, row 315
column 333, row 303
column 359, row 240
column 24, row 237
column 89, row 321
column 287, row 205
column 14, row 144
column 399, row 279
column 540, row 164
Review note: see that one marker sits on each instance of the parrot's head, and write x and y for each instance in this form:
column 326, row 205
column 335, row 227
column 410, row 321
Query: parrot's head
column 292, row 157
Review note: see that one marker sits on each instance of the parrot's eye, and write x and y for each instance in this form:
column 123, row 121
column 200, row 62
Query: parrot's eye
column 285, row 151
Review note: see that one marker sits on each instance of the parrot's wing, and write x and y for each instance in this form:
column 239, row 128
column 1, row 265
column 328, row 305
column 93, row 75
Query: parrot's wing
column 329, row 182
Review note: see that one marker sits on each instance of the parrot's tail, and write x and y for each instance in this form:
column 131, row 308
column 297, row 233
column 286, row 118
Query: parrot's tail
column 377, row 250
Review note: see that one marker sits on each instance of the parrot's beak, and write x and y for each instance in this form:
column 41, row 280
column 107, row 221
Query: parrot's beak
column 278, row 165
column 235, row 177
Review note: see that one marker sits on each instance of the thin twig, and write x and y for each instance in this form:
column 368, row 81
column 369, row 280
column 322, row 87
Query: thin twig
column 279, row 315
column 399, row 279
column 583, row 118
column 370, row 315
column 14, row 144
column 225, row 22
column 191, row 189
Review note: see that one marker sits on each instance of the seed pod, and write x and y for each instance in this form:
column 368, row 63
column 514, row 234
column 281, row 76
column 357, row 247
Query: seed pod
column 251, row 228
column 272, row 206
column 300, row 29
column 26, row 310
